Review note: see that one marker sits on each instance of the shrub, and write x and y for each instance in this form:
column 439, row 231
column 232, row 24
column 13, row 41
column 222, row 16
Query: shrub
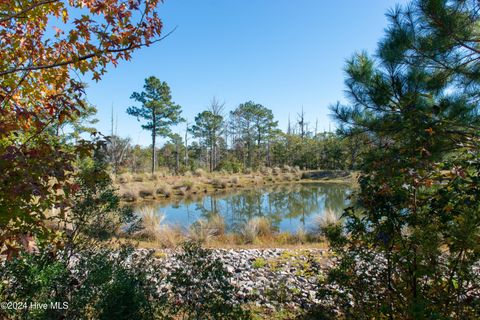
column 201, row 288
column 259, row 263
column 96, row 284
column 231, row 165
column 96, row 214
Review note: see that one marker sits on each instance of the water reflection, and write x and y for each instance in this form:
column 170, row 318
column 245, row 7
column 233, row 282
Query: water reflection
column 288, row 207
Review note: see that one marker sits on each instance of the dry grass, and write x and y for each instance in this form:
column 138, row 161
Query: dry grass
column 154, row 229
column 219, row 183
column 257, row 233
column 124, row 178
column 199, row 173
column 151, row 223
column 217, row 224
column 235, row 180
column 164, row 190
column 202, row 182
column 277, row 171
column 301, row 236
column 146, row 192
column 169, row 237
column 254, row 228
column 325, row 220
column 201, row 232
column 266, row 171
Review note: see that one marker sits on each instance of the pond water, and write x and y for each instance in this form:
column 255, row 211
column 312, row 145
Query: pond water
column 288, row 207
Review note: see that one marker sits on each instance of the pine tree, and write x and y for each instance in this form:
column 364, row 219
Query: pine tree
column 208, row 127
column 410, row 245
column 157, row 109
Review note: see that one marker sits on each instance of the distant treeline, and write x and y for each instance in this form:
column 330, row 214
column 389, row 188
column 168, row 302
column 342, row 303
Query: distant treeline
column 247, row 137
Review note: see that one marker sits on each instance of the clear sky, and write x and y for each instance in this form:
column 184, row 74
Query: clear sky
column 283, row 54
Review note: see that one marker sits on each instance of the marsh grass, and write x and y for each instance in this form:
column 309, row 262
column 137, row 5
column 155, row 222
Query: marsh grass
column 254, row 228
column 150, row 223
column 200, row 231
column 321, row 222
column 217, row 224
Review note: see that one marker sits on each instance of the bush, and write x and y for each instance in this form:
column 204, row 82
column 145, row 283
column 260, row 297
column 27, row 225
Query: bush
column 201, row 288
column 95, row 284
column 231, row 165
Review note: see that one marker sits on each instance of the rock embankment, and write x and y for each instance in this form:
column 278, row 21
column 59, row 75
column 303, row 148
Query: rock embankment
column 269, row 277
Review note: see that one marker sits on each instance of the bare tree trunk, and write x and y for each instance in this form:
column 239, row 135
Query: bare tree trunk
column 154, row 156
column 177, row 159
column 154, row 136
column 186, row 145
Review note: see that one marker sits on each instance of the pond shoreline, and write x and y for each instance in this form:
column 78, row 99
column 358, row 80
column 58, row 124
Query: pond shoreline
column 147, row 188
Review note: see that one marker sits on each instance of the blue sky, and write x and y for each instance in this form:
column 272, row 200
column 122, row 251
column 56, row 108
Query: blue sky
column 283, row 54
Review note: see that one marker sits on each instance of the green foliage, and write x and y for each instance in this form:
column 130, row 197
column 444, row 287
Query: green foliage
column 410, row 248
column 254, row 126
column 200, row 287
column 157, row 109
column 208, row 127
column 230, row 164
column 96, row 213
column 259, row 263
column 93, row 284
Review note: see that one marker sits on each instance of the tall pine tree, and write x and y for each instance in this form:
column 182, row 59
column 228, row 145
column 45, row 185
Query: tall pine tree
column 410, row 247
column 158, row 109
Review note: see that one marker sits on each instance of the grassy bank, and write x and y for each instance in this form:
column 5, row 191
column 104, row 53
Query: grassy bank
column 147, row 187
column 256, row 233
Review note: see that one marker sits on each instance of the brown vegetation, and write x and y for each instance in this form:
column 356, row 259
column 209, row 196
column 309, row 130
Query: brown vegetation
column 140, row 187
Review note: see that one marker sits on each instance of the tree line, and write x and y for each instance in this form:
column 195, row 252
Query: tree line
column 248, row 137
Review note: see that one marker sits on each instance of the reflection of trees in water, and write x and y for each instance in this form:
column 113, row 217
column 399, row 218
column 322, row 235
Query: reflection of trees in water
column 275, row 203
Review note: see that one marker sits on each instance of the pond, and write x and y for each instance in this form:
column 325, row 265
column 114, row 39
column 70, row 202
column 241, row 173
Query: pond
column 288, row 207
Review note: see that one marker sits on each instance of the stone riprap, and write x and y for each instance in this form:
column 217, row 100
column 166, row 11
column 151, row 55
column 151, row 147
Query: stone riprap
column 268, row 277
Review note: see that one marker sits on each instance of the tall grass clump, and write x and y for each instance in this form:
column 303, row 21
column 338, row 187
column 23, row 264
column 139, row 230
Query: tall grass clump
column 254, row 228
column 169, row 236
column 164, row 190
column 201, row 232
column 324, row 221
column 199, row 173
column 217, row 224
column 151, row 223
